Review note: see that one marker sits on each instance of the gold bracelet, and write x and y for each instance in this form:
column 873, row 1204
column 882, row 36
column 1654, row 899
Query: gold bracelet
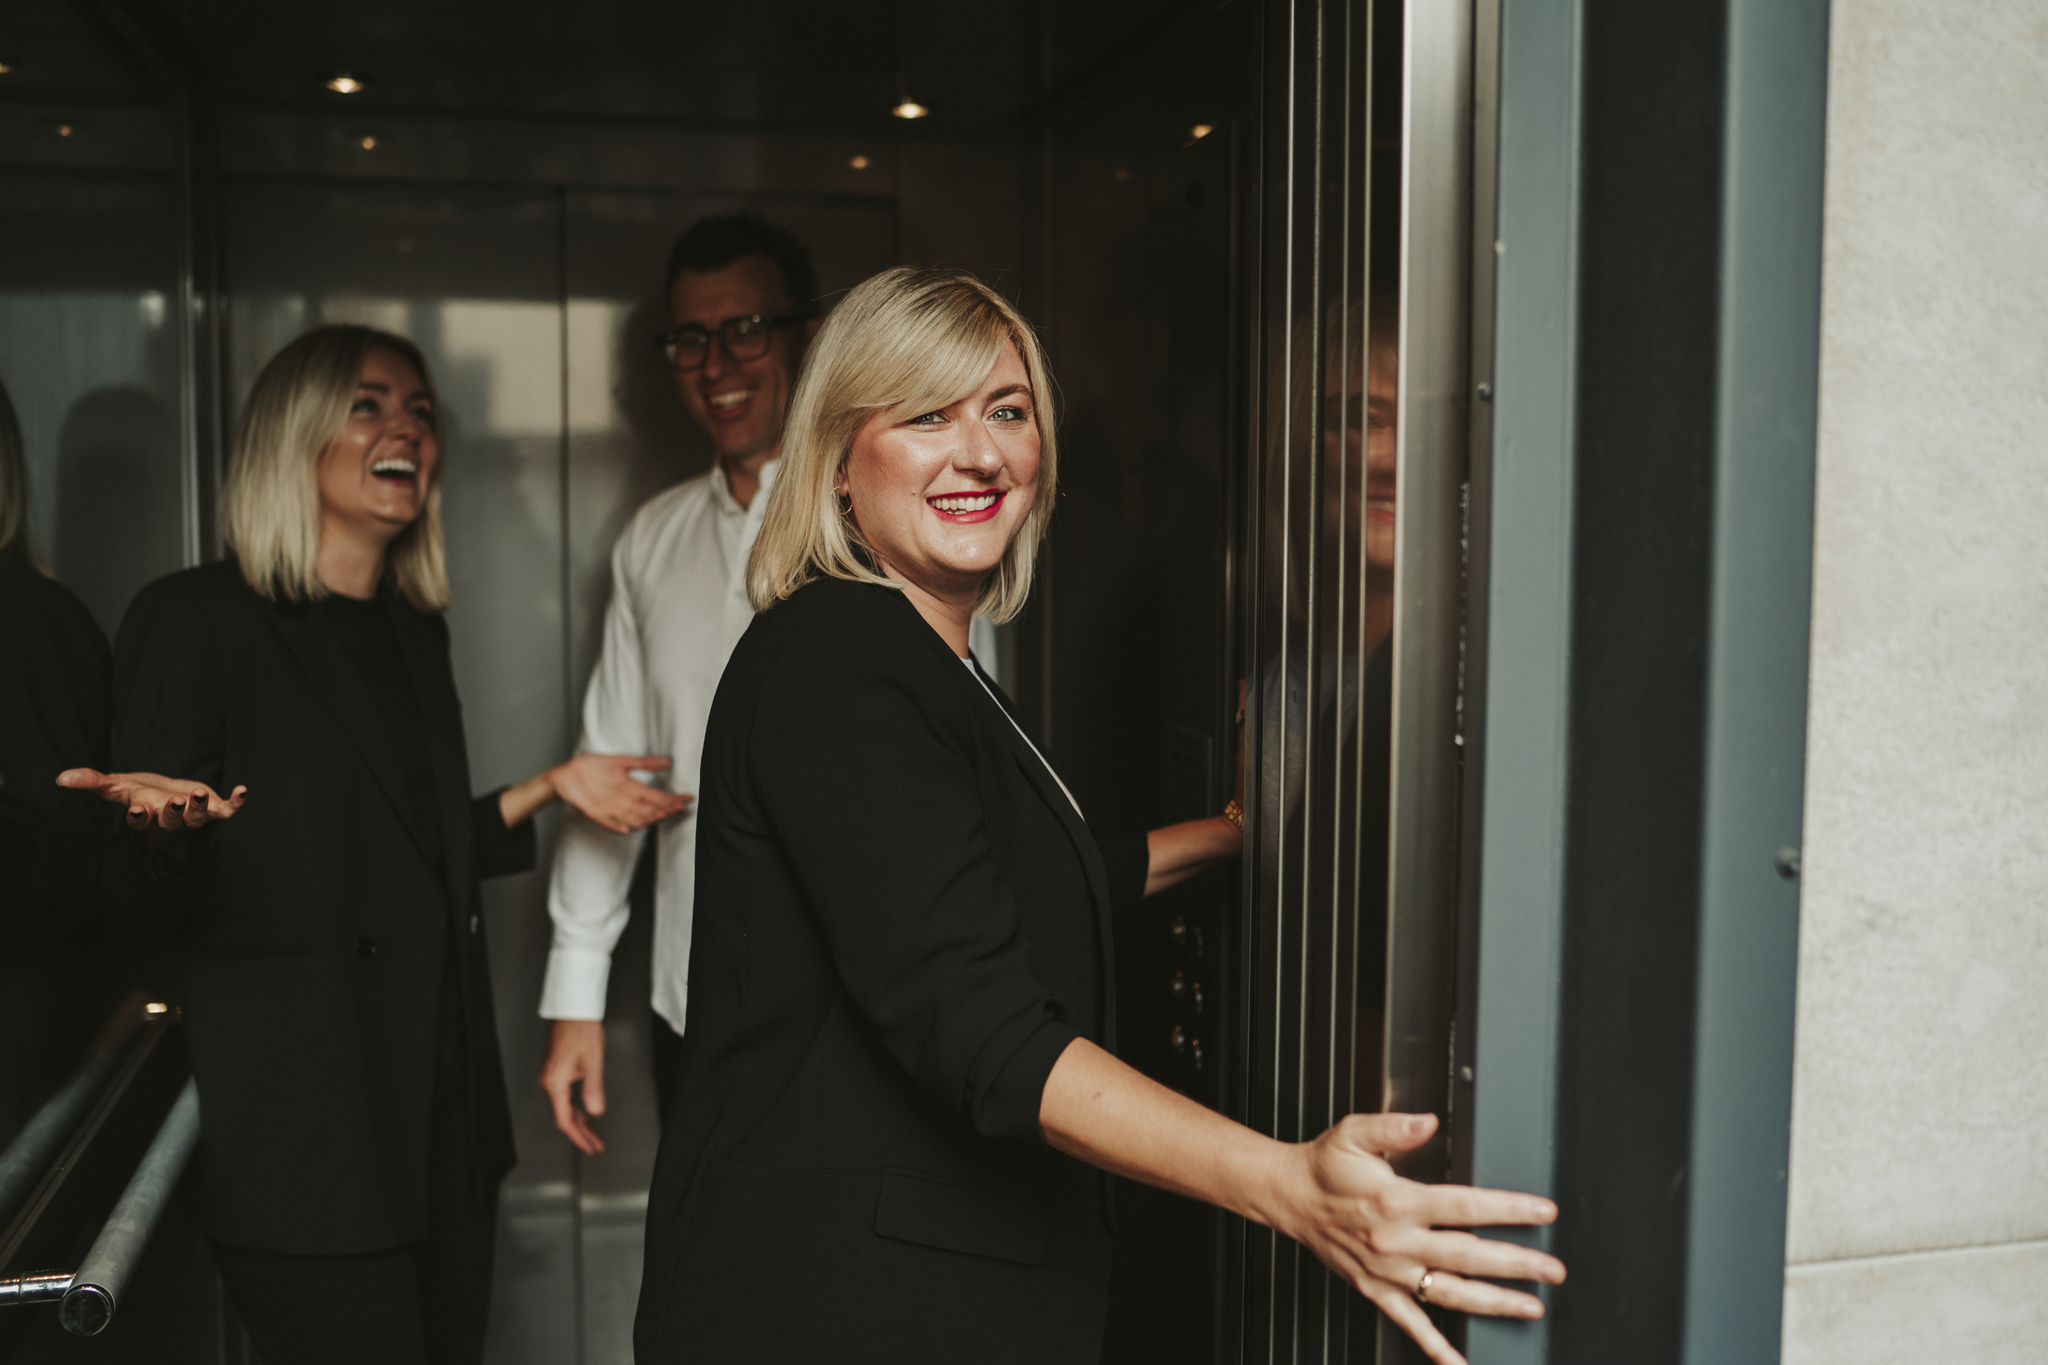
column 1234, row 813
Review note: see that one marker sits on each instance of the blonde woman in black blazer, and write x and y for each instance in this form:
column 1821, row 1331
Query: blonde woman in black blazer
column 900, row 1092
column 332, row 970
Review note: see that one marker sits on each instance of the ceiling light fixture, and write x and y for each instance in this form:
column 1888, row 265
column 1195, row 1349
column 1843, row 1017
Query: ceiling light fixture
column 344, row 84
column 910, row 108
column 6, row 67
column 368, row 144
column 1202, row 130
column 65, row 130
column 859, row 163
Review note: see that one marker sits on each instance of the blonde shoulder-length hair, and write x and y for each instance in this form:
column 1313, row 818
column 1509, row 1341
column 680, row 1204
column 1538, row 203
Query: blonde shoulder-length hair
column 905, row 341
column 270, row 503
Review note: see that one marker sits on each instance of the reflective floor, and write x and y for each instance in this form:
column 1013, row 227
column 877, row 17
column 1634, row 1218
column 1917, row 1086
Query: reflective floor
column 570, row 1226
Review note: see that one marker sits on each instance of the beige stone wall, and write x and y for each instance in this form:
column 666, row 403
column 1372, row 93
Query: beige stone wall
column 1919, row 1179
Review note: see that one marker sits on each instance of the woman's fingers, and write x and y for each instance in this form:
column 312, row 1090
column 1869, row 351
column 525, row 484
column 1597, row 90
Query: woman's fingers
column 1371, row 1134
column 1447, row 1290
column 1462, row 1206
column 1469, row 1255
column 88, row 780
column 1399, row 1305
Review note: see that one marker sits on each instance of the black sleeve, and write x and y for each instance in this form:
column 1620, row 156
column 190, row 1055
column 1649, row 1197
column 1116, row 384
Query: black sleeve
column 1127, row 860
column 494, row 850
column 880, row 817
column 54, row 689
column 169, row 718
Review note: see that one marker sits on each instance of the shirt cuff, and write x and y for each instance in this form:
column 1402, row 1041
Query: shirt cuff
column 575, row 984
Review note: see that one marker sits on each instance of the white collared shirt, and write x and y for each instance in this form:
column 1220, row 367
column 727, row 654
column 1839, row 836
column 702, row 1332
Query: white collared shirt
column 679, row 605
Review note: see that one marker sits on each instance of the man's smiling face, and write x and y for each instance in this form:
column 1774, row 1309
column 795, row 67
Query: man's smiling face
column 741, row 403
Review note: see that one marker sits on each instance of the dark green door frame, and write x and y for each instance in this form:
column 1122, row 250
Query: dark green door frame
column 1642, row 541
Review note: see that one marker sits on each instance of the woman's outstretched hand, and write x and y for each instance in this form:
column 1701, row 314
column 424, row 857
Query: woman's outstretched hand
column 1335, row 1195
column 1382, row 1233
column 602, row 786
column 161, row 805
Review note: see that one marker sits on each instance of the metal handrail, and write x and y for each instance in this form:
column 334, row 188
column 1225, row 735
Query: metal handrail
column 27, row 1158
column 91, row 1294
column 95, row 1291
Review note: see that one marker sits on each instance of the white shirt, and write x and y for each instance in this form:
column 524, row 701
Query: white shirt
column 679, row 605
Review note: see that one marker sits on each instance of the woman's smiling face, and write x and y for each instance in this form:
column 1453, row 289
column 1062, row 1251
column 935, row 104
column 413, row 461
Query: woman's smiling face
column 375, row 474
column 940, row 495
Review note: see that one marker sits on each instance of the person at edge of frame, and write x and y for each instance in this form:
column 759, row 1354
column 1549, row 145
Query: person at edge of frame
column 55, row 694
column 326, row 912
column 901, row 1101
column 743, row 306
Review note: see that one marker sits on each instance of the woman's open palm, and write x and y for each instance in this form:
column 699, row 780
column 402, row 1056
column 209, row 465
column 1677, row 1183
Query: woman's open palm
column 155, row 801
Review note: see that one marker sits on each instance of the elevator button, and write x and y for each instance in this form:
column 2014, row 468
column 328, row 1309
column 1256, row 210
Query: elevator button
column 1186, row 937
column 366, row 947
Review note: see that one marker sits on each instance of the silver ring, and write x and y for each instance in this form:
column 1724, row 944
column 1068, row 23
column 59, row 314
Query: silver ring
column 1422, row 1286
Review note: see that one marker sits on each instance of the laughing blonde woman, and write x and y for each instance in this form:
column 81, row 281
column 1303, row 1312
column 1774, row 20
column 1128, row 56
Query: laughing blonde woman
column 329, row 923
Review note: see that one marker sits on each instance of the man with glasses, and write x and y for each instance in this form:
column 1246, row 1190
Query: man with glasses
column 743, row 307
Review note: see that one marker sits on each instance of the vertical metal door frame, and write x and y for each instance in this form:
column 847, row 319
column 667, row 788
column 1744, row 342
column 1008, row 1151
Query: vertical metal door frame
column 1766, row 428
column 1758, row 519
column 1435, row 268
column 1518, row 670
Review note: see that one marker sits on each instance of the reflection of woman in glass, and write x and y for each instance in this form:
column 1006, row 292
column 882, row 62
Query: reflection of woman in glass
column 54, row 684
column 897, row 1100
column 332, row 971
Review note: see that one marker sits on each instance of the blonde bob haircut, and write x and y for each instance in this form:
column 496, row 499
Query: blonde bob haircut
column 270, row 503
column 904, row 342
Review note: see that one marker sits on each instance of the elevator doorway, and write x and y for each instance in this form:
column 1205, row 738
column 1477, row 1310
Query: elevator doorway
column 1205, row 213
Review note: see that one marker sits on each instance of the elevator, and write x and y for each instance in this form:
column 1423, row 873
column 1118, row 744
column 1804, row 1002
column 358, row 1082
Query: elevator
column 1262, row 242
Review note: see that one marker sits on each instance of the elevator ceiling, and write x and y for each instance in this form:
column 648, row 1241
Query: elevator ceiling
column 819, row 64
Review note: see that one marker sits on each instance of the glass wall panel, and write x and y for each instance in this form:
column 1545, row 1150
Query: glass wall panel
column 474, row 277
column 628, row 438
column 93, row 411
column 1130, row 662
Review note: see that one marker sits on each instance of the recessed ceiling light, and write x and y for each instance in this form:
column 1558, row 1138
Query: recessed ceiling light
column 910, row 108
column 1202, row 130
column 859, row 163
column 65, row 130
column 6, row 67
column 344, row 84
column 368, row 144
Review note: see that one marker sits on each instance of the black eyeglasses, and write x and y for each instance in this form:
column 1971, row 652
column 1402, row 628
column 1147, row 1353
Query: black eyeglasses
column 748, row 338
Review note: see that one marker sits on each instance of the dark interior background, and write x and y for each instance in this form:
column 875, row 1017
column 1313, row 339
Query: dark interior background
column 180, row 194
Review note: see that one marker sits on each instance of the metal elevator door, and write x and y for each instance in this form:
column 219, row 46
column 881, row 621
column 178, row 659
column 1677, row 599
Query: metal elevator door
column 1260, row 325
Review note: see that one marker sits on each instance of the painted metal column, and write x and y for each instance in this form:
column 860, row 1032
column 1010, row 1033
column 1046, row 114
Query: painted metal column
column 1766, row 420
column 1520, row 624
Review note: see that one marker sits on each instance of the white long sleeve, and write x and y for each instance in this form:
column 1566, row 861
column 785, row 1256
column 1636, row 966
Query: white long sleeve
column 587, row 898
column 678, row 607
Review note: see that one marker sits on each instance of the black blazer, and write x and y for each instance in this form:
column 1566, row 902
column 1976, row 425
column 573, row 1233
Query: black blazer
column 312, row 931
column 900, row 923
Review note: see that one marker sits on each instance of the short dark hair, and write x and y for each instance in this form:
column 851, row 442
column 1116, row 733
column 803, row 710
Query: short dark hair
column 720, row 239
